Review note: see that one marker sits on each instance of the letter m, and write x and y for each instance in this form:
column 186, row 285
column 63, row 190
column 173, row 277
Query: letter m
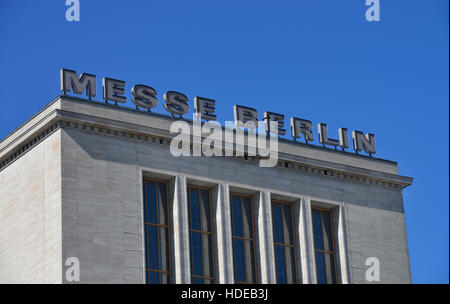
column 86, row 82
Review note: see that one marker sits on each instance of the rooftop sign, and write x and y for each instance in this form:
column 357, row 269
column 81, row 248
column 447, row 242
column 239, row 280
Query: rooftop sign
column 176, row 103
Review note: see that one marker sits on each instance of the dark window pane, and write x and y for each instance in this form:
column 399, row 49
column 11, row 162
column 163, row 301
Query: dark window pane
column 205, row 212
column 239, row 260
column 243, row 250
column 323, row 239
column 237, row 216
column 277, row 224
column 317, row 229
column 320, row 268
column 196, row 258
column 197, row 280
column 284, row 243
column 194, row 209
column 281, row 265
column 150, row 202
column 200, row 235
column 162, row 204
column 157, row 246
column 152, row 277
column 152, row 243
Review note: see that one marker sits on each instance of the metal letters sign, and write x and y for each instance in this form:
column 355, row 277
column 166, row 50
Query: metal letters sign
column 176, row 103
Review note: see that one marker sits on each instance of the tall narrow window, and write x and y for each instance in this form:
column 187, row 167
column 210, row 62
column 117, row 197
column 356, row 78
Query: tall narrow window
column 243, row 239
column 324, row 246
column 156, row 224
column 200, row 227
column 284, row 243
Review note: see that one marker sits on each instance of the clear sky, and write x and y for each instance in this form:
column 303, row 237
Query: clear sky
column 315, row 59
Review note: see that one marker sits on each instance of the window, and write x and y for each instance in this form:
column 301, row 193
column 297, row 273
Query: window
column 243, row 239
column 156, row 226
column 284, row 243
column 200, row 227
column 324, row 246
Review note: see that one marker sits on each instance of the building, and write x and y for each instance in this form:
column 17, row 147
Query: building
column 97, row 182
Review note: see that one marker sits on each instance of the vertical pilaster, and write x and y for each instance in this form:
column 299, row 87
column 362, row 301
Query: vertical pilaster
column 342, row 253
column 298, row 231
column 180, row 230
column 305, row 232
column 223, row 245
column 264, row 238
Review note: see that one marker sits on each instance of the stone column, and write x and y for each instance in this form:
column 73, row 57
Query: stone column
column 264, row 238
column 341, row 245
column 306, row 246
column 179, row 230
column 223, row 246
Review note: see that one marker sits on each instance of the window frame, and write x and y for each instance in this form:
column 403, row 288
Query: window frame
column 169, row 231
column 333, row 253
column 294, row 238
column 211, row 234
column 244, row 238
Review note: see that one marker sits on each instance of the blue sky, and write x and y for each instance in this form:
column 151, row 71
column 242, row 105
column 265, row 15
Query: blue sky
column 319, row 60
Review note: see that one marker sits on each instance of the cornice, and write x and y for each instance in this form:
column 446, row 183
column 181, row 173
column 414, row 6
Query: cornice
column 57, row 119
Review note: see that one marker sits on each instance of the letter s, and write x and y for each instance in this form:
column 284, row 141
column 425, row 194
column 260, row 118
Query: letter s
column 176, row 103
column 144, row 96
